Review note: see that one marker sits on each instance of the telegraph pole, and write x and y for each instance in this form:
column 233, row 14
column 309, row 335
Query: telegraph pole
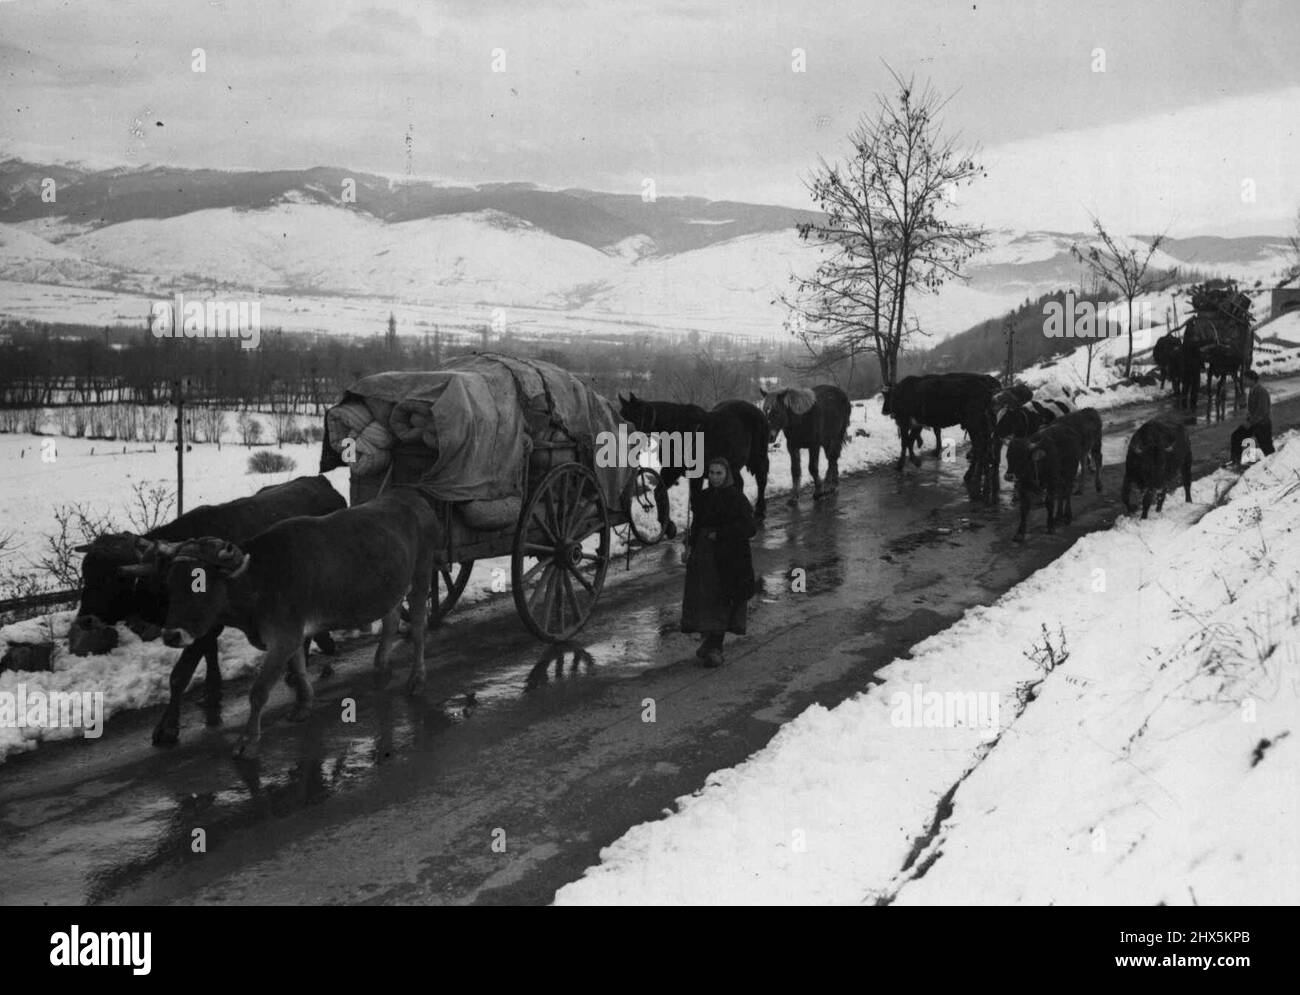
column 180, row 448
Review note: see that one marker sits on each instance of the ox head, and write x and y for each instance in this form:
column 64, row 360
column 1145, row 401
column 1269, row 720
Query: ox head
column 785, row 407
column 115, row 585
column 199, row 575
column 1012, row 422
column 1024, row 460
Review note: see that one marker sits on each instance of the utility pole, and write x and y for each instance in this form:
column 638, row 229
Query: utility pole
column 181, row 446
column 1009, row 330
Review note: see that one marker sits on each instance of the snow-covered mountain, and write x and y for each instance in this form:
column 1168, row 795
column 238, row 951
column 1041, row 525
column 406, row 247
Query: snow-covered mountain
column 605, row 258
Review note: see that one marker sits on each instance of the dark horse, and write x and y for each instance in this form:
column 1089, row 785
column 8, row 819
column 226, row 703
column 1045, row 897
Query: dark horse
column 813, row 418
column 734, row 430
column 1205, row 347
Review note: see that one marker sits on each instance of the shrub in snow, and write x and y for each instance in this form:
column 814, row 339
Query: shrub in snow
column 270, row 462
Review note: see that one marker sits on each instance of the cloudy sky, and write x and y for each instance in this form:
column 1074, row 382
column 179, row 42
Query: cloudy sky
column 1190, row 125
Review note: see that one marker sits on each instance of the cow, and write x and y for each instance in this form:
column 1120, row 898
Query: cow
column 1166, row 355
column 1012, row 397
column 1158, row 455
column 120, row 581
column 937, row 401
column 1086, row 424
column 308, row 575
column 1044, row 466
column 813, row 418
column 1028, row 418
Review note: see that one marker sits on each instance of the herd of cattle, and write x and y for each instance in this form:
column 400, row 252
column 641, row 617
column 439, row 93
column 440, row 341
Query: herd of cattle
column 292, row 562
column 1051, row 446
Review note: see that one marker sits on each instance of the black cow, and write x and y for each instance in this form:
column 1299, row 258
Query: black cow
column 1012, row 397
column 1043, row 467
column 937, row 401
column 814, row 419
column 1086, row 424
column 1158, row 455
column 1026, row 419
column 120, row 580
column 308, row 575
column 1166, row 355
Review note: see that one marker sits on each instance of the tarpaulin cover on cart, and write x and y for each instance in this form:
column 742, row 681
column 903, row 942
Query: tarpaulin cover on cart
column 482, row 415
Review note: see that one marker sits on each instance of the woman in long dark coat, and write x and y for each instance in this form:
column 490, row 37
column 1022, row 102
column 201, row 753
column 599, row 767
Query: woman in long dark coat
column 719, row 566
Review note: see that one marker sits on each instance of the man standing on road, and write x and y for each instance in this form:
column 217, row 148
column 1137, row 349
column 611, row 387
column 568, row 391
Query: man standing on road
column 1259, row 423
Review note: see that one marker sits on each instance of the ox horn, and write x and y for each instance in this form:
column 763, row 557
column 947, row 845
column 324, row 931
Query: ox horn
column 242, row 568
column 138, row 570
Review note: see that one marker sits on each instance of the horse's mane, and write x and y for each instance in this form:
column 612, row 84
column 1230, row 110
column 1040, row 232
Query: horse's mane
column 797, row 400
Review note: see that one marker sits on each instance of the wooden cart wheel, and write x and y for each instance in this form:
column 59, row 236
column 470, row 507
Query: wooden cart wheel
column 643, row 508
column 564, row 531
column 448, row 584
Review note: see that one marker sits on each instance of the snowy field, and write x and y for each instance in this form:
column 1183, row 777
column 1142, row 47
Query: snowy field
column 1153, row 763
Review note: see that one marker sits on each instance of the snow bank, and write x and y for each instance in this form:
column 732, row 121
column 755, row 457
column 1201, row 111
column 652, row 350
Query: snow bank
column 1155, row 763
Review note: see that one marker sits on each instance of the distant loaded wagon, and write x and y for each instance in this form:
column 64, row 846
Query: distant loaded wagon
column 505, row 449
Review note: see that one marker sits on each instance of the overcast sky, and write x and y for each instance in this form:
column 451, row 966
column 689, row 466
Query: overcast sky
column 1191, row 126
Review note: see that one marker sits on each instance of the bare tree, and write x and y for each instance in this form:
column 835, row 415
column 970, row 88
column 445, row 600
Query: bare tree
column 152, row 506
column 249, row 427
column 882, row 232
column 1125, row 269
column 1294, row 242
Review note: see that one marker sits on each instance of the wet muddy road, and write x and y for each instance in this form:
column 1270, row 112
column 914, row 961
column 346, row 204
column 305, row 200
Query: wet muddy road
column 518, row 764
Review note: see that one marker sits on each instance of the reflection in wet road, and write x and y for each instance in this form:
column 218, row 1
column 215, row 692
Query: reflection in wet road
column 546, row 750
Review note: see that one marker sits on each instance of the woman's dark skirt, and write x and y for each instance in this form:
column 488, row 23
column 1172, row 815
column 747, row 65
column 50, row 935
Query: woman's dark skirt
column 705, row 605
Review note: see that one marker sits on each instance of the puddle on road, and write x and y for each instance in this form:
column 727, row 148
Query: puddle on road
column 943, row 532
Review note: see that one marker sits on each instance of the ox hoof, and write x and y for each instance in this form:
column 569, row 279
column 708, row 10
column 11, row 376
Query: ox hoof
column 300, row 713
column 415, row 685
column 166, row 735
column 792, row 501
column 1018, row 537
column 916, row 460
column 248, row 749
column 670, row 530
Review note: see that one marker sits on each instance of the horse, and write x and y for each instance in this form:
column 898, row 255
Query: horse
column 1205, row 347
column 1222, row 361
column 734, row 430
column 813, row 418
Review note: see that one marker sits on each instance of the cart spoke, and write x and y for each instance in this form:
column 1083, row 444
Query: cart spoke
column 573, row 570
column 572, row 598
column 532, row 572
column 540, row 591
column 538, row 550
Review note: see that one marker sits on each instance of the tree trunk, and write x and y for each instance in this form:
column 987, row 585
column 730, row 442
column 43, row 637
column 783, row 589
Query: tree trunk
column 1128, row 369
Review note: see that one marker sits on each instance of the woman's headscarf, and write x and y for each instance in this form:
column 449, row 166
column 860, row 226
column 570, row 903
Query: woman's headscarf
column 729, row 480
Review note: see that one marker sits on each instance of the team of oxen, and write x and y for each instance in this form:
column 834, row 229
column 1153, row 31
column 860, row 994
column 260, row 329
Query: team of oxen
column 292, row 562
